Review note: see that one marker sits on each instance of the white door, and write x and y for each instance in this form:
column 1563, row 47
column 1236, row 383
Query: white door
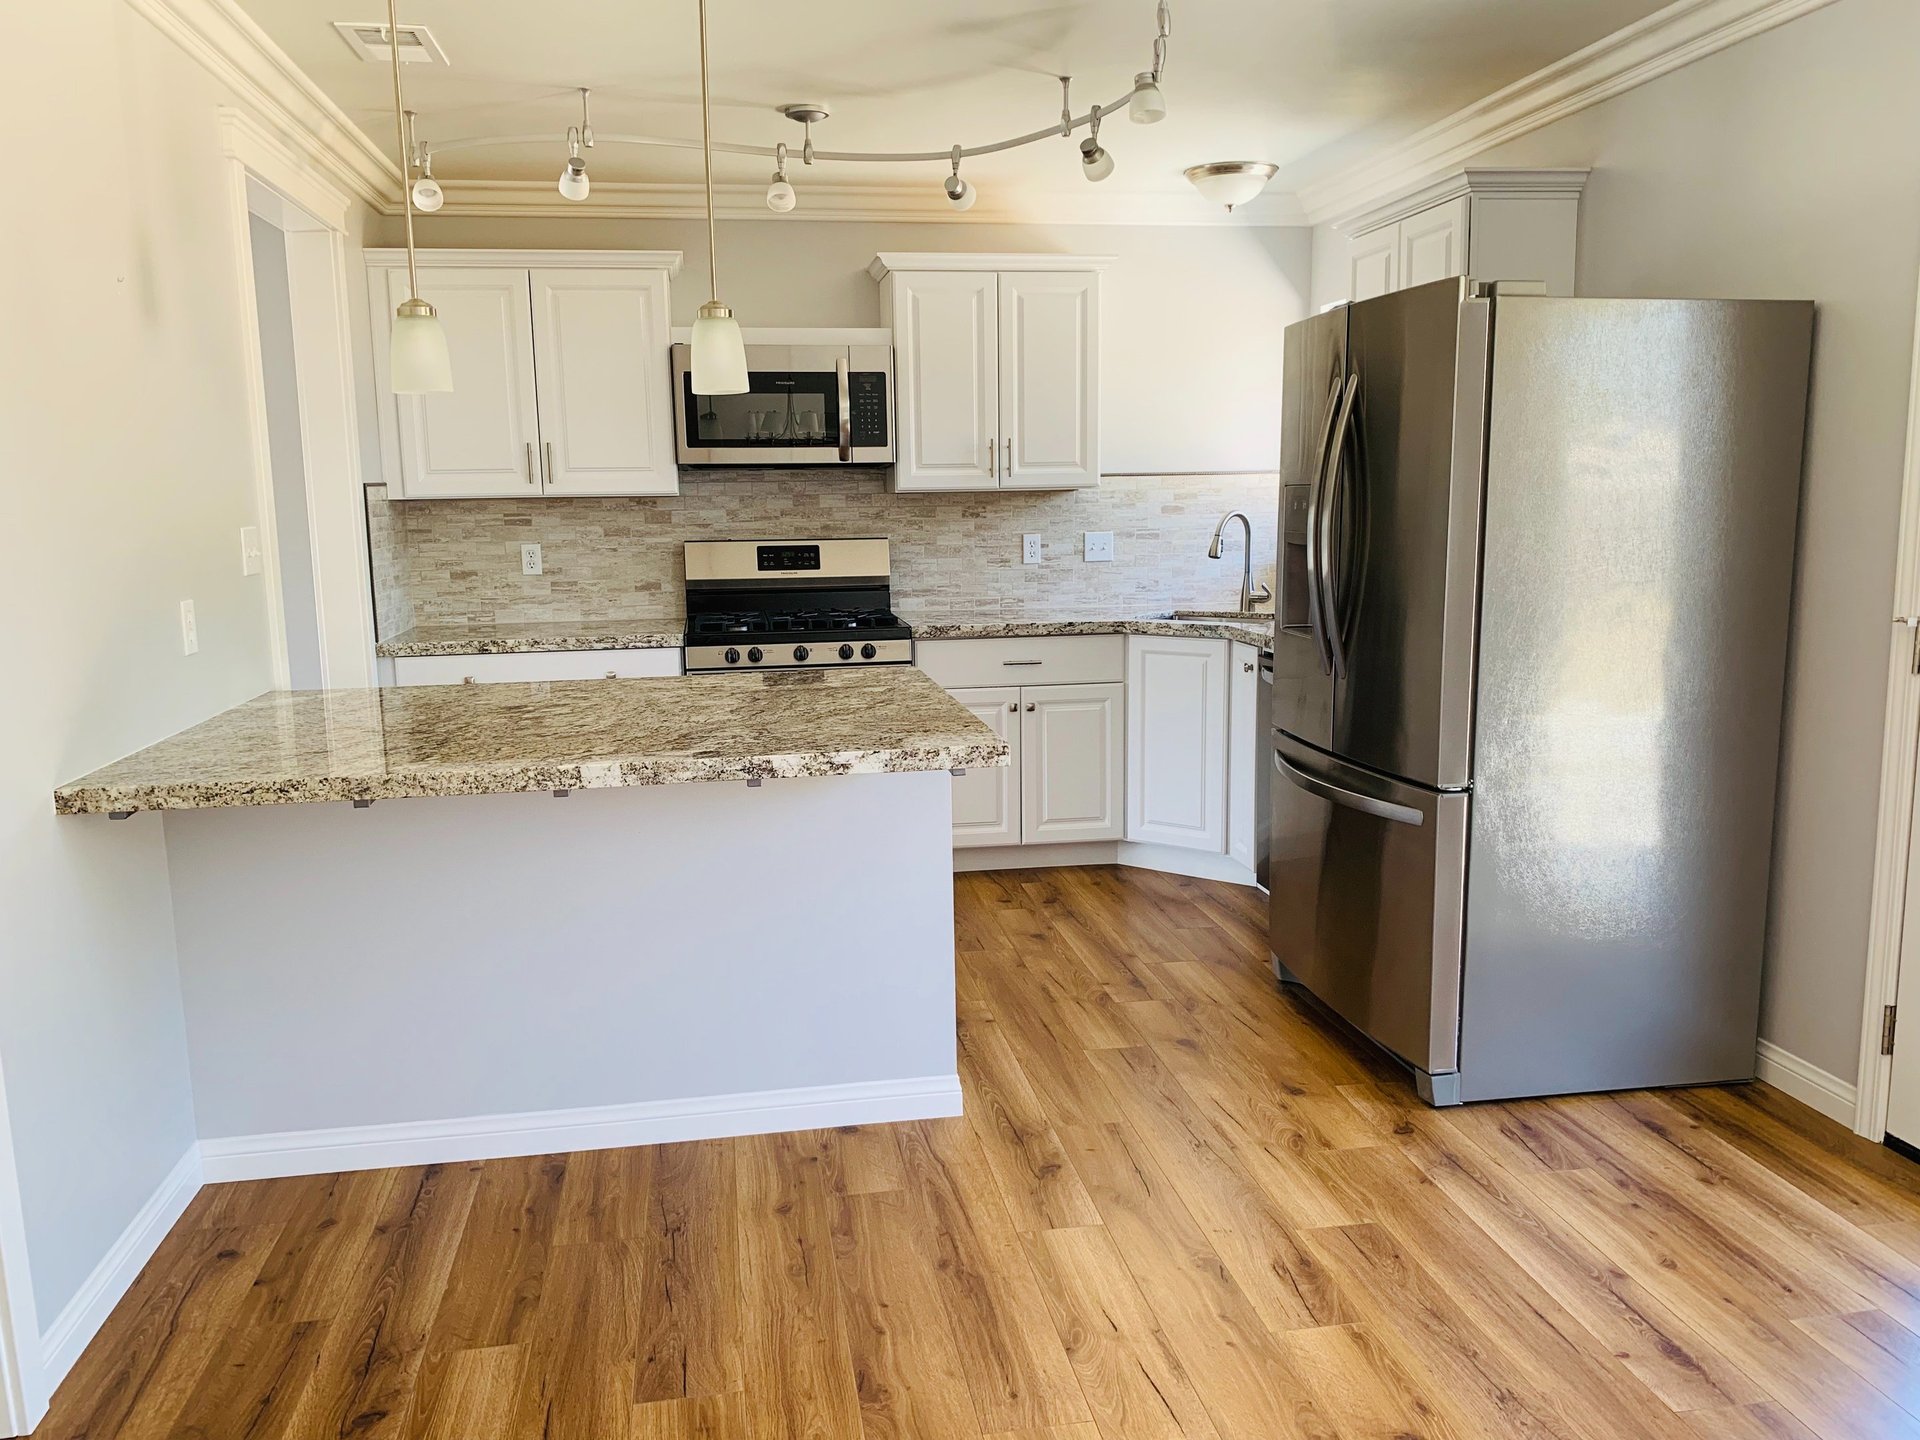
column 986, row 800
column 1246, row 751
column 1373, row 264
column 1433, row 244
column 1177, row 742
column 480, row 438
column 946, row 362
column 1072, row 763
column 1903, row 1088
column 1049, row 381
column 601, row 353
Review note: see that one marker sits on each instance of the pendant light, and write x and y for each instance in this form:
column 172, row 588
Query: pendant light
column 719, row 354
column 417, row 359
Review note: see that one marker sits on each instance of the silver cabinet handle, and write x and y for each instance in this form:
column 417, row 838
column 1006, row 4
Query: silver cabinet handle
column 530, row 479
column 1007, row 468
column 549, row 472
column 993, row 459
column 613, row 674
column 469, row 680
column 1029, row 707
column 1351, row 799
column 1023, row 662
column 846, row 410
column 1246, row 667
column 1013, row 704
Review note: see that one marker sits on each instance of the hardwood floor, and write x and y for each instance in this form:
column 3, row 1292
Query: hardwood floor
column 1180, row 1205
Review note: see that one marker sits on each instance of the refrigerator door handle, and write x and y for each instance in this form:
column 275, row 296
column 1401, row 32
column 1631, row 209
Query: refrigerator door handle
column 1351, row 799
column 1316, row 616
column 1331, row 466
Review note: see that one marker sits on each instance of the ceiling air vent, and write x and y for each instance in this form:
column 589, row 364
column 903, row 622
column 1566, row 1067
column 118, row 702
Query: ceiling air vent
column 368, row 40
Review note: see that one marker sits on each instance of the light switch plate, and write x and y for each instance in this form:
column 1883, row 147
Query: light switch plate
column 1099, row 545
column 189, row 630
column 1030, row 553
column 530, row 562
column 250, row 560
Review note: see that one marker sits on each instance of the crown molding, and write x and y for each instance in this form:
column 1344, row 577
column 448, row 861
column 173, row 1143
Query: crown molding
column 389, row 257
column 923, row 202
column 1684, row 32
column 919, row 262
column 1489, row 181
column 278, row 93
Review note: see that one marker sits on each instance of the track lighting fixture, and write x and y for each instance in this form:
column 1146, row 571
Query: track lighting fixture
column 1095, row 162
column 427, row 194
column 574, row 184
column 1147, row 106
column 960, row 194
column 780, row 196
column 417, row 359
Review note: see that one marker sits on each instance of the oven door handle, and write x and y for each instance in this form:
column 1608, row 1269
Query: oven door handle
column 846, row 410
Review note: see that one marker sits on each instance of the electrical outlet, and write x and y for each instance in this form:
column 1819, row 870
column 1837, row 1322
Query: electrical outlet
column 1099, row 545
column 1030, row 553
column 530, row 563
column 250, row 560
column 189, row 630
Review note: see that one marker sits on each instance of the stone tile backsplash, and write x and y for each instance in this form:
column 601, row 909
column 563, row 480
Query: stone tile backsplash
column 954, row 555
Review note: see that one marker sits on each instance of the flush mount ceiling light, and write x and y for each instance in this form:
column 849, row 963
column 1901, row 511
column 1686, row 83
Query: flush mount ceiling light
column 1231, row 182
column 1144, row 101
column 719, row 352
column 417, row 358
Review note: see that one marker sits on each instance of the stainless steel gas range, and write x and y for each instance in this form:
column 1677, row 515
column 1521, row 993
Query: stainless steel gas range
column 792, row 604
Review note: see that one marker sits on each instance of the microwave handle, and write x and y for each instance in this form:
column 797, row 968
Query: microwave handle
column 846, row 411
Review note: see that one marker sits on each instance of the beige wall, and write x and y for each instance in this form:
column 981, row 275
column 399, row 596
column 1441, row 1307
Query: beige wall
column 125, row 449
column 1191, row 315
column 1783, row 168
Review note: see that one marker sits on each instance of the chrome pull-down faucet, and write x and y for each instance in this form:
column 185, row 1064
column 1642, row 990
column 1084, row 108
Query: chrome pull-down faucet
column 1249, row 595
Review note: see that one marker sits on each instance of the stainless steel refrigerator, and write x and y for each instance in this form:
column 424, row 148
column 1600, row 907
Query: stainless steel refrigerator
column 1536, row 561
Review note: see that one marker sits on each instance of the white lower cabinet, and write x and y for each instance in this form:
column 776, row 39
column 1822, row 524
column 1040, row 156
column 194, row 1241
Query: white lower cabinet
column 1072, row 775
column 1177, row 731
column 534, row 665
column 1246, row 753
column 986, row 800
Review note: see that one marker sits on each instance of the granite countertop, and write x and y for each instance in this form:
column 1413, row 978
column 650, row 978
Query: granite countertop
column 667, row 632
column 288, row 747
column 664, row 632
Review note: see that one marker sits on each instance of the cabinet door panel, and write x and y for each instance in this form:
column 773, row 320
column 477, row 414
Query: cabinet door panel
column 1433, row 244
column 475, row 439
column 1246, row 751
column 986, row 805
column 1049, row 381
column 1373, row 264
column 1177, row 742
column 601, row 363
column 1071, row 763
column 946, row 354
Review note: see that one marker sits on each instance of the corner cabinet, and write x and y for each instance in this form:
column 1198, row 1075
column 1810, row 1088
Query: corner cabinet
column 1492, row 224
column 561, row 373
column 996, row 370
column 1177, row 737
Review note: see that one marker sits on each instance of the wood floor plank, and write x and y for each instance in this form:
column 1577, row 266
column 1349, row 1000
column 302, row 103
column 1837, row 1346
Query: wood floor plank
column 703, row 1417
column 690, row 1325
column 481, row 1391
column 869, row 1159
column 1355, row 1379
column 253, row 1390
column 1764, row 1421
column 1036, row 1179
column 1878, row 1347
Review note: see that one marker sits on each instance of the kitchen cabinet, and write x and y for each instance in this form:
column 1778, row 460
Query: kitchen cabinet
column 986, row 800
column 1072, row 771
column 996, row 369
column 534, row 665
column 1177, row 737
column 561, row 373
column 1247, row 751
column 1492, row 224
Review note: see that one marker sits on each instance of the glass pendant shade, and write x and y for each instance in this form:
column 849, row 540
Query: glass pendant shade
column 418, row 362
column 1095, row 163
column 960, row 193
column 1231, row 182
column 574, row 184
column 719, row 354
column 1148, row 106
column 427, row 194
column 780, row 196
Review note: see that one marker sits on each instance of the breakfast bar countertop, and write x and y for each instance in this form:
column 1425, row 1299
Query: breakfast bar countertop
column 289, row 747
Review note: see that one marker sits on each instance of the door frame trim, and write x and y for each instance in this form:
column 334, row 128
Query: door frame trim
column 1900, row 747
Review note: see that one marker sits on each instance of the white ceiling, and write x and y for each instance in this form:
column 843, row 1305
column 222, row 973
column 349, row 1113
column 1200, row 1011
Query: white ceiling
column 1308, row 84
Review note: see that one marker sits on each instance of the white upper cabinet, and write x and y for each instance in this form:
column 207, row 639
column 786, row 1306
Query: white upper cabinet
column 946, row 357
column 996, row 368
column 606, row 400
column 1491, row 224
column 562, row 382
column 482, row 437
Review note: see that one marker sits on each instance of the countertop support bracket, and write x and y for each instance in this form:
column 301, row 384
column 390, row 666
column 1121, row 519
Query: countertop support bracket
column 363, row 804
column 120, row 814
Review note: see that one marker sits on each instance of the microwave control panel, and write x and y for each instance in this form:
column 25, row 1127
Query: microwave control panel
column 867, row 395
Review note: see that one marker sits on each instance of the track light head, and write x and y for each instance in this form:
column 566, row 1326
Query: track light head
column 573, row 175
column 1147, row 106
column 1095, row 162
column 780, row 196
column 960, row 194
column 427, row 194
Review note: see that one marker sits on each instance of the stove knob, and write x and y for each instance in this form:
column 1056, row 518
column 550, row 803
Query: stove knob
column 799, row 652
column 733, row 656
column 867, row 652
column 756, row 655
column 846, row 652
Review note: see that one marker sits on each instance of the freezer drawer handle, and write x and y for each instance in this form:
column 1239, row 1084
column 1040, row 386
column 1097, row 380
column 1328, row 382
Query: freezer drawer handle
column 1352, row 799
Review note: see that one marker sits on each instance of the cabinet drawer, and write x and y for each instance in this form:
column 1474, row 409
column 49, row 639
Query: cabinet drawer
column 1036, row 660
column 536, row 665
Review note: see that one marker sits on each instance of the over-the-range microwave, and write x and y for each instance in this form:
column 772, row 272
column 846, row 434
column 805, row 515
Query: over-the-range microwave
column 814, row 397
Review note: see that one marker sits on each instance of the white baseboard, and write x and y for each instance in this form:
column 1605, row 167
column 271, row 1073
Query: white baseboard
column 1807, row 1083
column 1172, row 859
column 83, row 1316
column 600, row 1127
